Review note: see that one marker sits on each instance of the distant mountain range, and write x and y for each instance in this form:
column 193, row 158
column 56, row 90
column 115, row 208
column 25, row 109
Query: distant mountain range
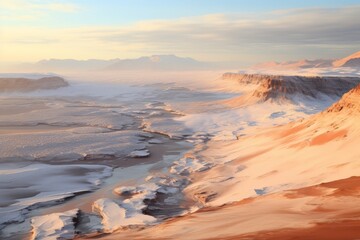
column 149, row 63
column 350, row 61
column 164, row 63
column 160, row 63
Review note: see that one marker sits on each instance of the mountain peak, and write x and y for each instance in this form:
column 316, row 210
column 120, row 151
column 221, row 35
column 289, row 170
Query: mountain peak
column 350, row 61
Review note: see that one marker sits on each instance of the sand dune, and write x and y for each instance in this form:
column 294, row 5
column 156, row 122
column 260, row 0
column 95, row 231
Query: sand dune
column 306, row 213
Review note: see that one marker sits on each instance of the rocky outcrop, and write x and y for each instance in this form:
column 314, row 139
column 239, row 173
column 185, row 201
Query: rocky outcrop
column 255, row 79
column 28, row 85
column 279, row 88
column 350, row 102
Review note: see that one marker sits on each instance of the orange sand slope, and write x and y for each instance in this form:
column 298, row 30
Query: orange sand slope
column 327, row 211
column 302, row 212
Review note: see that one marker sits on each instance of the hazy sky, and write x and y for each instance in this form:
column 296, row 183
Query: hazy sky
column 210, row 30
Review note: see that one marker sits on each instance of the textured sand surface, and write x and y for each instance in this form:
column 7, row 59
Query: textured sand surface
column 288, row 182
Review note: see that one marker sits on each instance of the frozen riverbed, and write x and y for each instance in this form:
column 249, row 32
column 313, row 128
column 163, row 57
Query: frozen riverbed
column 67, row 148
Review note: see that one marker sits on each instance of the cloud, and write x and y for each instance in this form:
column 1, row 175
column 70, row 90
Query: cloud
column 279, row 35
column 29, row 5
column 35, row 41
column 300, row 26
column 29, row 10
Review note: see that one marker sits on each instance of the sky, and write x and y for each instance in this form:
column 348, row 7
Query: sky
column 244, row 32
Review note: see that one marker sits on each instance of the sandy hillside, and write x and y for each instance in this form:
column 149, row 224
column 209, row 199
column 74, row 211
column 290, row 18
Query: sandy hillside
column 279, row 184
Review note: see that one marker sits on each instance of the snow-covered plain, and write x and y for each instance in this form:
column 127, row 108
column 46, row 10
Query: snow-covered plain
column 56, row 144
column 25, row 186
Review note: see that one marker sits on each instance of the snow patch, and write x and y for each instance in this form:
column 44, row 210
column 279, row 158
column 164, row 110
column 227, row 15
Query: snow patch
column 155, row 141
column 139, row 153
column 113, row 216
column 188, row 165
column 43, row 184
column 116, row 216
column 54, row 226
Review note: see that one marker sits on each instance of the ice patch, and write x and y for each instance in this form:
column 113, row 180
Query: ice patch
column 167, row 126
column 54, row 226
column 116, row 216
column 67, row 146
column 35, row 185
column 113, row 216
column 189, row 165
column 88, row 130
column 139, row 153
column 225, row 136
column 155, row 141
column 135, row 204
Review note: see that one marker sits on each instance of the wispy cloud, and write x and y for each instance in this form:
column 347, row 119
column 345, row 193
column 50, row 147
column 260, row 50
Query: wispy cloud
column 282, row 34
column 299, row 26
column 30, row 10
column 28, row 5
